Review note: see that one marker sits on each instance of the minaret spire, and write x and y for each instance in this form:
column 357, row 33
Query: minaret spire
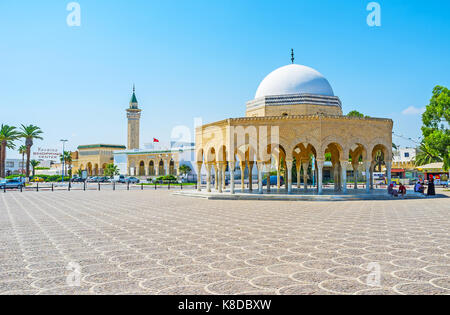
column 134, row 116
column 292, row 55
column 134, row 101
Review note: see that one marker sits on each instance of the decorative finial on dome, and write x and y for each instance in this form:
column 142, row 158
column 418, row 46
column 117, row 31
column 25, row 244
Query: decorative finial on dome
column 292, row 55
column 134, row 88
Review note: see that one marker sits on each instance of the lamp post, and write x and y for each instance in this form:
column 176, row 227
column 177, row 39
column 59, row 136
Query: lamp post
column 63, row 159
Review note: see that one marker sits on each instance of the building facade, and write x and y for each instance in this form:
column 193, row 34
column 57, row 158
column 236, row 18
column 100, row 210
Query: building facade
column 94, row 158
column 14, row 167
column 148, row 162
column 404, row 163
column 294, row 121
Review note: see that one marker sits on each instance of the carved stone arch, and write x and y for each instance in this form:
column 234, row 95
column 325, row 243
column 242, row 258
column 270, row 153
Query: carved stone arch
column 200, row 155
column 210, row 154
column 340, row 144
column 221, row 153
column 305, row 140
column 267, row 145
column 384, row 143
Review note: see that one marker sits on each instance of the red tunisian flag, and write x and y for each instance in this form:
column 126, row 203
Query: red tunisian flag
column 155, row 140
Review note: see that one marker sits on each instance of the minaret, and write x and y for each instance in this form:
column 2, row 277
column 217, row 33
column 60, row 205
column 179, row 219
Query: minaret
column 134, row 116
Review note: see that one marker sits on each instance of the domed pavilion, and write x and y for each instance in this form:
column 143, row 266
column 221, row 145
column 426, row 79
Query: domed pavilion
column 295, row 123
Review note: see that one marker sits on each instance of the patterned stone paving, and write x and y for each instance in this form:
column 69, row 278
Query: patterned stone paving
column 155, row 243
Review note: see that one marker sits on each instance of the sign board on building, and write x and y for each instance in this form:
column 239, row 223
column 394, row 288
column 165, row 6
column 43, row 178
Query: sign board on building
column 47, row 154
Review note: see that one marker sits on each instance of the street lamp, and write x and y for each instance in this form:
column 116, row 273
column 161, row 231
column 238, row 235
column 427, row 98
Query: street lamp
column 63, row 159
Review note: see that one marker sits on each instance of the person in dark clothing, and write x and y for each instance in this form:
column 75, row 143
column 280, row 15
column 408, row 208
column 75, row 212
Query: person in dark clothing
column 431, row 188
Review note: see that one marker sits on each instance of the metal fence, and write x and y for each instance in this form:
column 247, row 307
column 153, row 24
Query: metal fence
column 37, row 187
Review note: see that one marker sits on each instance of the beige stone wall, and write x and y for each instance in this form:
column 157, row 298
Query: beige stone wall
column 293, row 110
column 150, row 164
column 298, row 135
column 94, row 163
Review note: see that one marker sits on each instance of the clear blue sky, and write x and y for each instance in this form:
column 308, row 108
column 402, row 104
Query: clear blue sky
column 206, row 58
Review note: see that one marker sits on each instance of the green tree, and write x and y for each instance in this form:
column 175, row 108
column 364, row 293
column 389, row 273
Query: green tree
column 436, row 120
column 67, row 157
column 22, row 151
column 34, row 164
column 185, row 169
column 111, row 170
column 30, row 133
column 355, row 113
column 426, row 156
column 8, row 134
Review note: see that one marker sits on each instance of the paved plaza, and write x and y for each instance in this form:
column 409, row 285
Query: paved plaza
column 147, row 242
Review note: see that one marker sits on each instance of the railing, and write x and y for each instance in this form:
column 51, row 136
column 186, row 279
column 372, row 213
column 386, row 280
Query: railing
column 52, row 187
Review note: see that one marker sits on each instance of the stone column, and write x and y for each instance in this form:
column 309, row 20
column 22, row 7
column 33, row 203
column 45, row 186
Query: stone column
column 372, row 168
column 219, row 166
column 231, row 167
column 146, row 171
column 208, row 177
column 367, row 164
column 344, row 166
column 286, row 174
column 250, row 175
column 355, row 174
column 305, row 175
column 333, row 172
column 389, row 172
column 299, row 169
column 167, row 167
column 289, row 165
column 242, row 167
column 199, row 176
column 268, row 165
column 278, row 177
column 260, row 166
column 224, row 176
column 216, row 175
column 320, row 176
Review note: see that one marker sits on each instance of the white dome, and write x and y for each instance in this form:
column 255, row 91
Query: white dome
column 294, row 79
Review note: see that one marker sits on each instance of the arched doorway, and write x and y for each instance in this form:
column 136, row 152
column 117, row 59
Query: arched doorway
column 161, row 171
column 141, row 168
column 151, row 168
column 89, row 169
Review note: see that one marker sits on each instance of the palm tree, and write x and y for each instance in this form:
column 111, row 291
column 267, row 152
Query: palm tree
column 30, row 133
column 426, row 156
column 34, row 164
column 67, row 158
column 23, row 151
column 111, row 170
column 8, row 135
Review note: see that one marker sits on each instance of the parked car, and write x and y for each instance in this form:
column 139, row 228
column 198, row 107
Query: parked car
column 11, row 184
column 103, row 179
column 273, row 181
column 119, row 179
column 37, row 180
column 78, row 180
column 92, row 179
column 132, row 180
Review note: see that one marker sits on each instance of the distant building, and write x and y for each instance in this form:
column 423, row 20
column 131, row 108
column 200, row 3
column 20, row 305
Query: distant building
column 155, row 159
column 14, row 167
column 403, row 163
column 94, row 158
